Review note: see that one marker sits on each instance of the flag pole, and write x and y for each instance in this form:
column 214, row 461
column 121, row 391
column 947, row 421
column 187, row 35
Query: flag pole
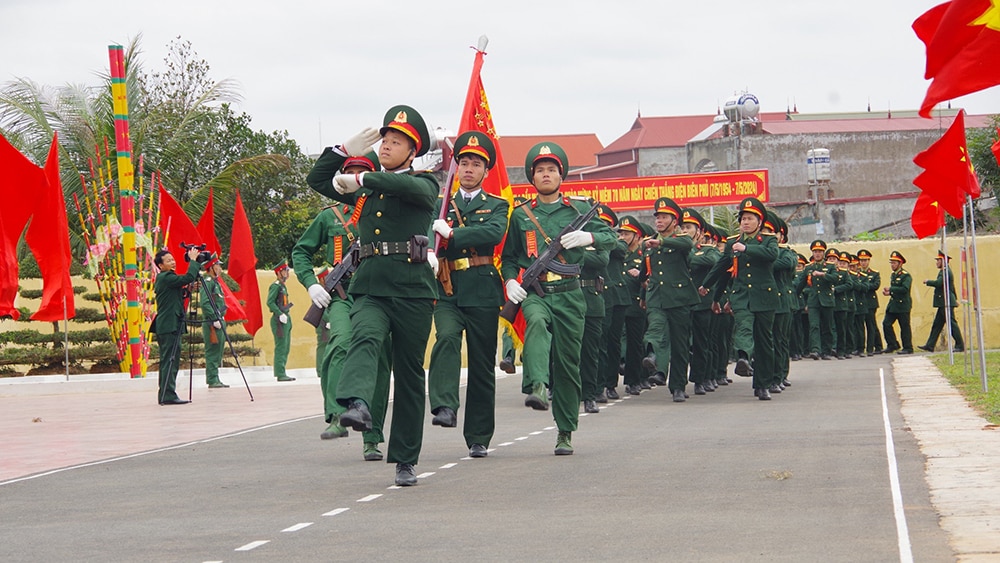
column 964, row 273
column 976, row 297
column 66, row 334
column 945, row 270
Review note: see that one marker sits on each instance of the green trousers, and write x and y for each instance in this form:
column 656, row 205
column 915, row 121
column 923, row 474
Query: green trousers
column 408, row 322
column 701, row 346
column 611, row 349
column 591, row 380
column 213, row 351
column 282, row 341
column 782, row 346
column 479, row 324
column 722, row 343
column 170, row 360
column 753, row 337
column 904, row 330
column 668, row 335
column 822, row 334
column 554, row 329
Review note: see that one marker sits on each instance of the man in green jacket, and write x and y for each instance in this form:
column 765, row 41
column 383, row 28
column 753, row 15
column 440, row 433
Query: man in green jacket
column 820, row 302
column 784, row 271
column 212, row 302
column 940, row 304
column 617, row 299
column 469, row 296
column 632, row 233
column 394, row 287
column 899, row 306
column 872, row 280
column 168, row 324
column 555, row 319
column 281, row 323
column 703, row 258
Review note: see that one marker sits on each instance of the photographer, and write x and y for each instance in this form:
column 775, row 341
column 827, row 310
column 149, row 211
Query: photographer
column 169, row 321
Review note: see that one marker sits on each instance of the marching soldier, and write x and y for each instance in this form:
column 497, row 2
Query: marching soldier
column 748, row 258
column 616, row 303
column 393, row 287
column 281, row 323
column 843, row 290
column 592, row 275
column 784, row 271
column 703, row 258
column 554, row 320
column 722, row 320
column 940, row 304
column 899, row 306
column 470, row 297
column 820, row 302
column 633, row 268
column 872, row 280
column 213, row 326
column 856, row 323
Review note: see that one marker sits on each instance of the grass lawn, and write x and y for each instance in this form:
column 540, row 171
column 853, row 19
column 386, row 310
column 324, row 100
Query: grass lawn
column 970, row 384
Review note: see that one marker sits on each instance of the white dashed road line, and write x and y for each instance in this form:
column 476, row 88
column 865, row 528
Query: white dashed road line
column 336, row 511
column 252, row 545
column 369, row 498
column 297, row 527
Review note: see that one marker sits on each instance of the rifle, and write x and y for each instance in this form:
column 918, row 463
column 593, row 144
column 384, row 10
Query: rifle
column 547, row 263
column 332, row 283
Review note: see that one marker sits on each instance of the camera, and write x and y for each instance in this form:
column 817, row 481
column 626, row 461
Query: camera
column 203, row 255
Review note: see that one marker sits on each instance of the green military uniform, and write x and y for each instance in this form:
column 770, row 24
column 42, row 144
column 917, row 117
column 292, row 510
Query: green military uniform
column 703, row 258
column 616, row 303
column 393, row 293
column 899, row 307
column 633, row 272
column 592, row 275
column 278, row 304
column 753, row 297
column 842, row 289
column 168, row 324
column 475, row 225
column 939, row 303
column 784, row 271
column 214, row 338
column 860, row 308
column 872, row 280
column 799, row 331
column 555, row 320
column 820, row 303
column 722, row 322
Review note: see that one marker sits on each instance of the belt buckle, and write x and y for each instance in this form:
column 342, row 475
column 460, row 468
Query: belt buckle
column 381, row 248
column 552, row 277
column 461, row 264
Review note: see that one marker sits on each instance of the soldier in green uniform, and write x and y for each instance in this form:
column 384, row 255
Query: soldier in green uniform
column 857, row 312
column 940, row 304
column 212, row 302
column 748, row 259
column 784, row 271
column 394, row 287
column 616, row 304
column 593, row 272
column 333, row 231
column 799, row 332
column 554, row 320
column 633, row 269
column 670, row 294
column 281, row 323
column 872, row 280
column 508, row 351
column 168, row 324
column 820, row 302
column 470, row 297
column 842, row 290
column 703, row 258
column 722, row 320
column 899, row 306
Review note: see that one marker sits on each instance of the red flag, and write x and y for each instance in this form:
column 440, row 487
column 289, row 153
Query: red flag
column 206, row 226
column 962, row 39
column 20, row 179
column 927, row 216
column 48, row 238
column 181, row 227
column 234, row 309
column 948, row 173
column 243, row 268
column 996, row 147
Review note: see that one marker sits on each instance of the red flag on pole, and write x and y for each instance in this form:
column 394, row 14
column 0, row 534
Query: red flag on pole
column 243, row 268
column 948, row 174
column 172, row 215
column 962, row 39
column 48, row 238
column 996, row 147
column 206, row 226
column 20, row 179
column 927, row 216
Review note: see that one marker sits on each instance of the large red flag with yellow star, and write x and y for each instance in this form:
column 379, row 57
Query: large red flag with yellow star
column 948, row 175
column 963, row 40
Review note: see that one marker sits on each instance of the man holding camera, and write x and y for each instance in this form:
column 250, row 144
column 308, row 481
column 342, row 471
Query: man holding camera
column 394, row 286
column 281, row 323
column 213, row 327
column 168, row 324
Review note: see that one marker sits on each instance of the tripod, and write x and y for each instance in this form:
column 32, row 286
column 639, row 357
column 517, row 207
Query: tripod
column 215, row 309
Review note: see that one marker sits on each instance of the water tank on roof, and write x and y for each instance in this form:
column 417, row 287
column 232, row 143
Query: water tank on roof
column 741, row 107
column 818, row 166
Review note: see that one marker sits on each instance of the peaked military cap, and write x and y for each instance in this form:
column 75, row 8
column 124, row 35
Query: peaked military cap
column 895, row 255
column 607, row 215
column 752, row 205
column 802, row 259
column 368, row 160
column 844, row 256
column 216, row 259
column 832, row 252
column 864, row 254
column 941, row 256
column 854, row 259
column 407, row 121
column 770, row 221
column 689, row 215
column 630, row 223
column 648, row 230
column 283, row 265
column 817, row 245
column 667, row 205
column 476, row 143
column 546, row 150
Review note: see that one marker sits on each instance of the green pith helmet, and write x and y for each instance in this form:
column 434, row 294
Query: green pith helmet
column 407, row 121
column 369, row 160
column 752, row 205
column 476, row 143
column 546, row 150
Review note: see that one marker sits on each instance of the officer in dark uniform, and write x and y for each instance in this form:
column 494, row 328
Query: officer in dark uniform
column 820, row 302
column 800, row 319
column 633, row 267
column 703, row 258
column 616, row 303
column 899, row 306
column 843, row 290
column 470, row 297
column 940, row 304
column 784, row 271
column 213, row 326
column 593, row 272
column 168, row 324
column 872, row 280
column 748, row 260
column 722, row 320
column 554, row 320
column 394, row 287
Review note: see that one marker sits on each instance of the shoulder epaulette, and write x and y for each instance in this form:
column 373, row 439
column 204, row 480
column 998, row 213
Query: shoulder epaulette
column 494, row 195
column 584, row 199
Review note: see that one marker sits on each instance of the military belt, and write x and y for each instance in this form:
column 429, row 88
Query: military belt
column 588, row 283
column 560, row 288
column 466, row 263
column 383, row 249
column 549, row 277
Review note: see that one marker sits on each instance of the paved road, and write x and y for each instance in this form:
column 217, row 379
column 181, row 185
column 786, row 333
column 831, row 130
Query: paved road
column 722, row 477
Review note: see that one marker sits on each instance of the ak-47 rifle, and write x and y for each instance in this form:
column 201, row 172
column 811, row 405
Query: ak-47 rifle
column 333, row 282
column 547, row 263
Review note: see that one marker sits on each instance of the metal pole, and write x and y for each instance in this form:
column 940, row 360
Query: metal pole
column 945, row 270
column 66, row 335
column 976, row 296
column 964, row 275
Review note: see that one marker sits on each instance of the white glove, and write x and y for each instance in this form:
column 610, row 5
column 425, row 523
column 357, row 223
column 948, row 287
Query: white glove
column 515, row 292
column 360, row 143
column 576, row 239
column 432, row 259
column 327, row 326
column 347, row 183
column 283, row 319
column 217, row 324
column 319, row 296
column 442, row 228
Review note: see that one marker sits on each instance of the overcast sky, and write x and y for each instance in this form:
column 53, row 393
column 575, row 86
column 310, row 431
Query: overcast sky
column 322, row 70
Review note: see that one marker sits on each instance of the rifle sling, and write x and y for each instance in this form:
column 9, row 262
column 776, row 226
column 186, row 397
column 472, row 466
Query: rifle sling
column 545, row 237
